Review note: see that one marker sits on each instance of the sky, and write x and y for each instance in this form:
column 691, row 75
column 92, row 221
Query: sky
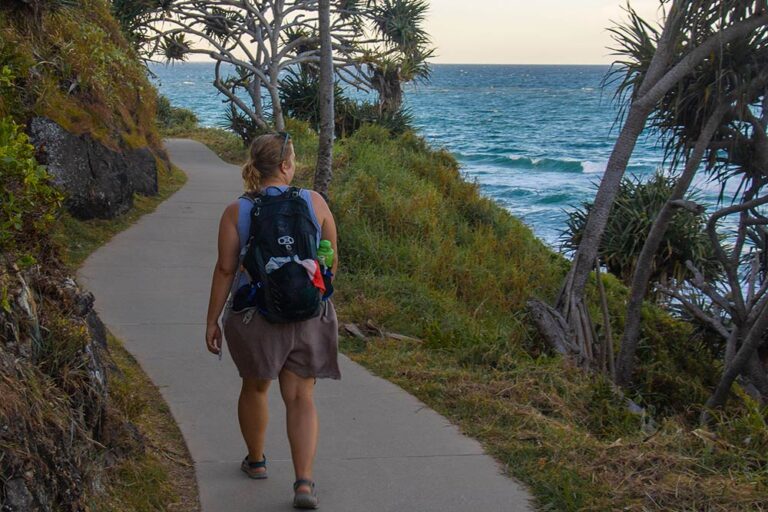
column 527, row 31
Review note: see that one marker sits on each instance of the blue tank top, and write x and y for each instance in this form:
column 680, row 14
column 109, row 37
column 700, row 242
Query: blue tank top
column 244, row 218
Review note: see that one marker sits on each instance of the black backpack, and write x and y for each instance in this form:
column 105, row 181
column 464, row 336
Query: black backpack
column 281, row 228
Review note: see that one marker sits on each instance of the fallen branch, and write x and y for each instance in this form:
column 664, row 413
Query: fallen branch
column 376, row 331
column 355, row 331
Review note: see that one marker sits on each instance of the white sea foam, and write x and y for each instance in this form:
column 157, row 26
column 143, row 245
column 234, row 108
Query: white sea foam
column 593, row 167
column 188, row 83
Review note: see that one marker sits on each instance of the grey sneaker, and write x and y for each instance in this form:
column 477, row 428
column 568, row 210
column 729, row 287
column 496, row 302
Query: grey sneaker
column 303, row 499
column 249, row 468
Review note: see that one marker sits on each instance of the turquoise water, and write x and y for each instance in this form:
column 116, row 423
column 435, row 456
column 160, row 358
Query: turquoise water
column 536, row 138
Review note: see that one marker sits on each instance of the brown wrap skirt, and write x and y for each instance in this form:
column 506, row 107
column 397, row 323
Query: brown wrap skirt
column 261, row 349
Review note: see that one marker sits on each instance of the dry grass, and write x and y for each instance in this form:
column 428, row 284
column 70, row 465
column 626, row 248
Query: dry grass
column 422, row 253
column 539, row 422
column 163, row 477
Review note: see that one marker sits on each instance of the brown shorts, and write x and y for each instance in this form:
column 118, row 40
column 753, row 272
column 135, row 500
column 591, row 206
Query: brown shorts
column 261, row 349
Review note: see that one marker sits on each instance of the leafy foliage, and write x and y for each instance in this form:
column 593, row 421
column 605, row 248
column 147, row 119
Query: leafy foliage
column 299, row 94
column 134, row 17
column 169, row 116
column 632, row 216
column 28, row 200
column 175, row 47
column 400, row 22
column 240, row 124
column 723, row 78
column 37, row 7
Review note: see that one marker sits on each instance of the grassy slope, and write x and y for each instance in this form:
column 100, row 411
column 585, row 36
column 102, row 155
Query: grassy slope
column 67, row 62
column 63, row 66
column 422, row 253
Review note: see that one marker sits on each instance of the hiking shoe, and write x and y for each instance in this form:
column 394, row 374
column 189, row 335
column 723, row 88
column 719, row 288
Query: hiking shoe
column 304, row 499
column 249, row 468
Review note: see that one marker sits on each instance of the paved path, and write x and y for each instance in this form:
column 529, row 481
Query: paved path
column 380, row 449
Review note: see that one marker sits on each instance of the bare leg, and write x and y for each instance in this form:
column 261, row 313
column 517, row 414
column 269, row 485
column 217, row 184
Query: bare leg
column 302, row 424
column 253, row 413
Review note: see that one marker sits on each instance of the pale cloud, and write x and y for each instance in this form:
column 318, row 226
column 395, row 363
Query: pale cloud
column 526, row 31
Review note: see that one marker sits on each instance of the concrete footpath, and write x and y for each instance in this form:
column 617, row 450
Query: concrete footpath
column 380, row 449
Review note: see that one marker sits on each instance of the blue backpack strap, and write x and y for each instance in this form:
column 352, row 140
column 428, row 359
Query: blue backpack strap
column 236, row 279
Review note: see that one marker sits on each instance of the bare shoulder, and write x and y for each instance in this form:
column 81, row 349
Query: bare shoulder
column 231, row 212
column 318, row 202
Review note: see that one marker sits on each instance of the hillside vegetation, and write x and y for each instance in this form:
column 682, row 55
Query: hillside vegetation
column 72, row 64
column 422, row 253
column 81, row 428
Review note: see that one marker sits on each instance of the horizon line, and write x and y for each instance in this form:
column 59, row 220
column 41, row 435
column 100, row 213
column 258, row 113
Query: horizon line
column 204, row 61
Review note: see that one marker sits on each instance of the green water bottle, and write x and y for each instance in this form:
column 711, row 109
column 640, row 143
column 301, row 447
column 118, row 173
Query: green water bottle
column 325, row 253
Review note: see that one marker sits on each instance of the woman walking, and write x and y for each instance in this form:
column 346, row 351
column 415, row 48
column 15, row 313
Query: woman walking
column 296, row 353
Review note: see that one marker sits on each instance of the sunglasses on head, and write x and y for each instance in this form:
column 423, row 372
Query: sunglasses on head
column 286, row 137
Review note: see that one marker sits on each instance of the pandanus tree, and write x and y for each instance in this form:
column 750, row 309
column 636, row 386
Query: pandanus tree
column 404, row 52
column 638, row 204
column 253, row 43
column 370, row 44
column 266, row 39
column 692, row 32
column 708, row 124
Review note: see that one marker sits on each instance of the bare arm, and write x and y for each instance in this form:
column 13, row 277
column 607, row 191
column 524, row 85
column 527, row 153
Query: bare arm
column 223, row 275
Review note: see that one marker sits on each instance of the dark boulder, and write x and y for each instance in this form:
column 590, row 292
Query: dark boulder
column 98, row 181
column 18, row 498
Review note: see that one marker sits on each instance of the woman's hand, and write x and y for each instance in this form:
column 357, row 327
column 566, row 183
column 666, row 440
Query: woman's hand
column 223, row 274
column 213, row 338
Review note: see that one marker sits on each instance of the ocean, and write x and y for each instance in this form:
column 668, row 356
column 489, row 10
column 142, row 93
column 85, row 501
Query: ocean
column 535, row 138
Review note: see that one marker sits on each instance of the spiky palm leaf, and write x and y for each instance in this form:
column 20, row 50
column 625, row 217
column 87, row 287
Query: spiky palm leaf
column 219, row 24
column 681, row 114
column 636, row 207
column 175, row 47
column 242, row 125
column 37, row 7
column 401, row 23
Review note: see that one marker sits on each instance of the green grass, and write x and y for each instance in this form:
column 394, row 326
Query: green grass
column 161, row 476
column 226, row 144
column 423, row 254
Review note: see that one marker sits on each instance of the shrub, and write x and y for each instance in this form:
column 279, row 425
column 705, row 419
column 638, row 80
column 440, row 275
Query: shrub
column 300, row 96
column 169, row 117
column 241, row 125
column 637, row 206
column 28, row 200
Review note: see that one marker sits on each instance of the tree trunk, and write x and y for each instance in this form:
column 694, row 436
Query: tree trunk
column 740, row 361
column 584, row 260
column 277, row 107
column 324, row 169
column 650, row 92
column 758, row 377
column 393, row 98
column 644, row 266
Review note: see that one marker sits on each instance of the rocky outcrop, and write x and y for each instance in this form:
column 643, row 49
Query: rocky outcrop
column 98, row 181
column 58, row 427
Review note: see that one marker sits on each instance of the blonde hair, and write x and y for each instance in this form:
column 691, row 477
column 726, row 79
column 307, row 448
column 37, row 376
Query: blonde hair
column 264, row 160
